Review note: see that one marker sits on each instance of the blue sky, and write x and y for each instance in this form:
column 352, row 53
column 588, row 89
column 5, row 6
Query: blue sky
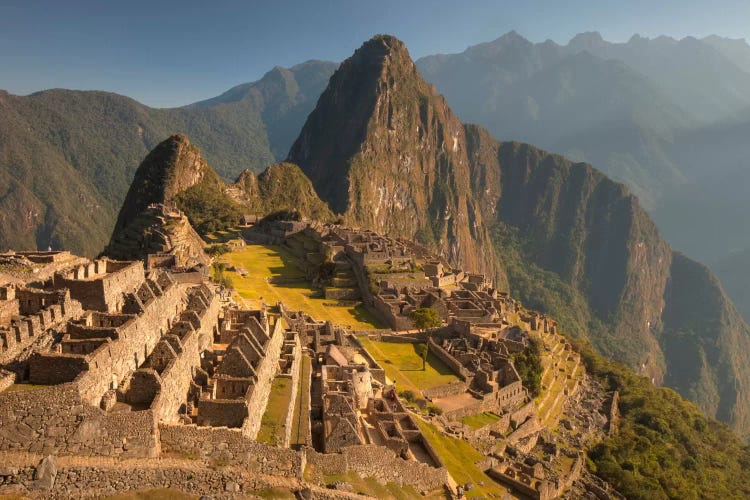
column 168, row 53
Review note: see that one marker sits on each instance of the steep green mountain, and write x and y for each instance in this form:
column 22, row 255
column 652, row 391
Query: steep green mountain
column 280, row 187
column 580, row 246
column 67, row 157
column 664, row 447
column 383, row 149
column 177, row 178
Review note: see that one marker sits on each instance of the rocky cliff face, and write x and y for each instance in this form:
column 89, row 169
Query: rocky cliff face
column 660, row 312
column 170, row 168
column 280, row 187
column 149, row 220
column 383, row 148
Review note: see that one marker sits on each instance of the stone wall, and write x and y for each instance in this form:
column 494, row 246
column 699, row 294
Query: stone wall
column 110, row 364
column 266, row 372
column 7, row 379
column 529, row 427
column 231, row 447
column 55, row 420
column 445, row 390
column 100, row 286
column 342, row 293
column 497, row 427
column 178, row 374
column 25, row 330
column 294, row 375
column 485, row 404
column 449, row 360
column 381, row 463
column 108, row 480
column 222, row 412
column 8, row 310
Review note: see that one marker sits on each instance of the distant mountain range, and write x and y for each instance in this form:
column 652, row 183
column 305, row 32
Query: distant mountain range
column 67, row 157
column 669, row 118
column 384, row 150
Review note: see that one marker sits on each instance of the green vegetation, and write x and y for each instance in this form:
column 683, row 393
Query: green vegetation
column 459, row 458
column 528, row 363
column 208, row 208
column 408, row 395
column 272, row 423
column 262, row 263
column 218, row 249
column 68, row 154
column 403, row 364
column 480, row 419
column 283, row 188
column 220, row 276
column 545, row 291
column 425, row 318
column 665, row 447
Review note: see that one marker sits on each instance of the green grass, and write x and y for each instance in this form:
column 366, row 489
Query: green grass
column 301, row 422
column 460, row 459
column 272, row 424
column 224, row 236
column 480, row 419
column 264, row 262
column 402, row 363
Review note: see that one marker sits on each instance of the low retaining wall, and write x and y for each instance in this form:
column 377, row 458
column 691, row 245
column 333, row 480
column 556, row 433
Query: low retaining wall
column 382, row 464
column 231, row 447
column 55, row 420
column 445, row 390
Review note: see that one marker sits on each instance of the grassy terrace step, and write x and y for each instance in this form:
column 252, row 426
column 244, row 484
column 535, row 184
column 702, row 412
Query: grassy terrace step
column 480, row 419
column 403, row 364
column 301, row 421
column 272, row 424
column 460, row 459
column 263, row 262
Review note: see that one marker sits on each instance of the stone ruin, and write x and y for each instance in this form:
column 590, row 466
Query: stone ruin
column 128, row 360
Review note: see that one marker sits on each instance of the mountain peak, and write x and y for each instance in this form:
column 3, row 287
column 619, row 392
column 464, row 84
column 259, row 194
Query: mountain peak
column 173, row 166
column 383, row 149
column 380, row 48
column 587, row 41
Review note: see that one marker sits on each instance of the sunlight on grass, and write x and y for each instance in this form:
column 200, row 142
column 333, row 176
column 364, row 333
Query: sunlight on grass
column 260, row 263
column 460, row 459
column 272, row 424
column 402, row 363
column 480, row 419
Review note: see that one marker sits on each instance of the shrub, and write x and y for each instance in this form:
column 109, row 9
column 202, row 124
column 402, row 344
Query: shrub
column 407, row 395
